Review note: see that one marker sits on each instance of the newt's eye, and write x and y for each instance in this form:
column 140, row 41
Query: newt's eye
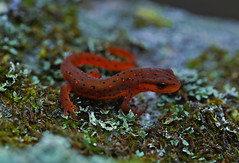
column 161, row 85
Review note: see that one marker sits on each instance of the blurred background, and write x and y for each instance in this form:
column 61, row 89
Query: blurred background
column 218, row 8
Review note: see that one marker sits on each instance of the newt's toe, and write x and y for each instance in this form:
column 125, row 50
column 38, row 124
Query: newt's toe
column 70, row 110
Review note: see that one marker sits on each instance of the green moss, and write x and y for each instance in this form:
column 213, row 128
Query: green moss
column 146, row 16
column 198, row 123
column 215, row 58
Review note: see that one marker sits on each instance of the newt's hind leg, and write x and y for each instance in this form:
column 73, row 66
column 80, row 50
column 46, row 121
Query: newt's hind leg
column 66, row 103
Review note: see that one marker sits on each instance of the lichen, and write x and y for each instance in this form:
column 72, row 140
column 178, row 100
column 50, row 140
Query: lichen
column 198, row 123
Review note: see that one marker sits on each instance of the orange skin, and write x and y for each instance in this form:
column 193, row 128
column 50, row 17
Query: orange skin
column 126, row 84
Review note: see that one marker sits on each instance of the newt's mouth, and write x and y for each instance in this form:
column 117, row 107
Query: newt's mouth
column 175, row 86
column 169, row 88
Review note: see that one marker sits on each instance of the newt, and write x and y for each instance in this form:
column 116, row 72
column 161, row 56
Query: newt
column 125, row 84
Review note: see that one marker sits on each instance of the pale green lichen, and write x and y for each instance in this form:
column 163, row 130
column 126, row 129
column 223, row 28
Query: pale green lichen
column 192, row 125
column 15, row 72
column 12, row 37
column 111, row 124
column 3, row 7
column 139, row 153
column 196, row 86
column 186, row 150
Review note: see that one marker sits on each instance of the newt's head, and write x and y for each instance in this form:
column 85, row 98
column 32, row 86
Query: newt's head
column 160, row 81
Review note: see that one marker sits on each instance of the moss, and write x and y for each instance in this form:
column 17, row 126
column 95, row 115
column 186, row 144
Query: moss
column 198, row 123
column 215, row 58
column 146, row 16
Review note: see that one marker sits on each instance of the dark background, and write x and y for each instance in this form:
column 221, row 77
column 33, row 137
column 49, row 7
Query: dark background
column 218, row 8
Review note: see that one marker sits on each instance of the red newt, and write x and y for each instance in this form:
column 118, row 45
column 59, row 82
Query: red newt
column 125, row 84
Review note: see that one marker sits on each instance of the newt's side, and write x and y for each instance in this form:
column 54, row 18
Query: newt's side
column 125, row 84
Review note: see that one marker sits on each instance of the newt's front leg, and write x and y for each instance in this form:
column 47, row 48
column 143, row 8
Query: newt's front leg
column 66, row 103
column 125, row 105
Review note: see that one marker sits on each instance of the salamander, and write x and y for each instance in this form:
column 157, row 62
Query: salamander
column 125, row 84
